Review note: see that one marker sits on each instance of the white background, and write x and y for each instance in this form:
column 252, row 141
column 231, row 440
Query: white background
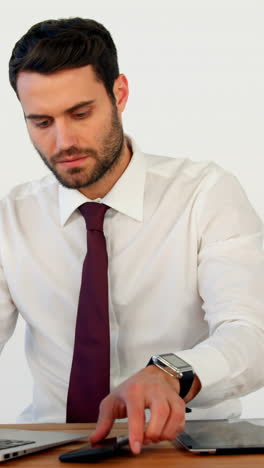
column 196, row 73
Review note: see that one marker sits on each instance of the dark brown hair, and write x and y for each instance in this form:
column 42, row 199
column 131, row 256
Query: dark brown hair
column 54, row 45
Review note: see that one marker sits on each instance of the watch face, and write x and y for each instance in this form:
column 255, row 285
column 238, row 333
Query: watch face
column 175, row 360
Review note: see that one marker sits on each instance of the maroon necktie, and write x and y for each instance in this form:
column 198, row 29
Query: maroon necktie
column 89, row 379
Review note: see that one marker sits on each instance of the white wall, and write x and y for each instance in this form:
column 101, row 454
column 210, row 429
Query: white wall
column 196, row 72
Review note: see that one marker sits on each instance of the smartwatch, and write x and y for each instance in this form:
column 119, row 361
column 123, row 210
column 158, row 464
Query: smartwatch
column 176, row 367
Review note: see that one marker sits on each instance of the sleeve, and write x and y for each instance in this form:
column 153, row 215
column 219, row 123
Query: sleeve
column 8, row 311
column 231, row 285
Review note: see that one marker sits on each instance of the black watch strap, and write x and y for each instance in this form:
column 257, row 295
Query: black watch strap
column 186, row 383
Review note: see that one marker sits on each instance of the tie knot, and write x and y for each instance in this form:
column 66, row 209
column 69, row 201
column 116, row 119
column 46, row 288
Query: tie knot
column 93, row 214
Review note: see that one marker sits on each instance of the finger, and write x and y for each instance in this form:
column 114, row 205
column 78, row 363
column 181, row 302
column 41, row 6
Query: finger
column 136, row 423
column 175, row 422
column 160, row 412
column 105, row 421
column 147, row 441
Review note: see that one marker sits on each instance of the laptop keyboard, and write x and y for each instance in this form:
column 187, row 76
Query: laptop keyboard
column 7, row 443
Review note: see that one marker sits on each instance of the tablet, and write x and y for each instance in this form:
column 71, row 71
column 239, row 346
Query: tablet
column 223, row 436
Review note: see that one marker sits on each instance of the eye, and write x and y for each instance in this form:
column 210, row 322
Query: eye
column 42, row 124
column 82, row 115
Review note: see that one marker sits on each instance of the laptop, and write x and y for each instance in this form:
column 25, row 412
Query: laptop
column 223, row 436
column 15, row 443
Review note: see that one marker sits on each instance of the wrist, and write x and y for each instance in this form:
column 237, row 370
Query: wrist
column 174, row 382
column 176, row 368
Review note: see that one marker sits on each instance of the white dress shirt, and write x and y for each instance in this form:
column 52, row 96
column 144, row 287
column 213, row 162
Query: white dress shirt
column 186, row 275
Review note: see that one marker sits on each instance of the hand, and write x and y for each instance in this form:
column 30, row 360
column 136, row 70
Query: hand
column 150, row 388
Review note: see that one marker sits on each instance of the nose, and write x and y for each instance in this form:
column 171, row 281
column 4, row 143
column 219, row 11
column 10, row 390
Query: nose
column 65, row 136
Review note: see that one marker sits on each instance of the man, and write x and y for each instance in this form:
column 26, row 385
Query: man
column 185, row 265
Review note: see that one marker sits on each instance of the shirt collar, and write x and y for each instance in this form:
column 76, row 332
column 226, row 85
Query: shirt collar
column 126, row 196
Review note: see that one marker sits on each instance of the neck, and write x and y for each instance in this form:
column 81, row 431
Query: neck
column 104, row 185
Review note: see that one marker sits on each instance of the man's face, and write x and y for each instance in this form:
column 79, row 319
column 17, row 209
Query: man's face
column 73, row 124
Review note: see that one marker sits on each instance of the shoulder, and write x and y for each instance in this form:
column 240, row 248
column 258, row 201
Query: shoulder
column 30, row 193
column 31, row 188
column 185, row 170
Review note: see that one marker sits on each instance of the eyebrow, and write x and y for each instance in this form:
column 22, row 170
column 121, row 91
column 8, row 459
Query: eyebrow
column 71, row 109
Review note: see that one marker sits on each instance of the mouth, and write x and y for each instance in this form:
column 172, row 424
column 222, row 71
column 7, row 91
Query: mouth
column 72, row 162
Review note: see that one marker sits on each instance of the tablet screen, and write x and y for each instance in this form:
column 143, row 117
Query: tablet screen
column 223, row 434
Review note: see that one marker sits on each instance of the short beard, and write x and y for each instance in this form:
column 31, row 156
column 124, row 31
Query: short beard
column 107, row 157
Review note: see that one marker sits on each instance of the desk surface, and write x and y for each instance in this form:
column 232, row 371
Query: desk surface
column 152, row 456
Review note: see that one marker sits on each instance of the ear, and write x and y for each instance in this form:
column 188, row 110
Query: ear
column 121, row 92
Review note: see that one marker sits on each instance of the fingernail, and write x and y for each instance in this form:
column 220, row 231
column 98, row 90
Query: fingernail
column 136, row 447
